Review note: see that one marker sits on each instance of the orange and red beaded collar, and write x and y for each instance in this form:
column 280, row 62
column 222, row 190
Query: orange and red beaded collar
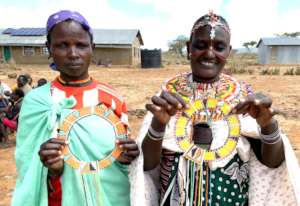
column 78, row 83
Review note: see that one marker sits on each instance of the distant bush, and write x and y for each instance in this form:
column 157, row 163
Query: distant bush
column 236, row 63
column 239, row 63
column 236, row 70
column 241, row 71
column 289, row 72
column 275, row 71
column 268, row 71
column 250, row 71
column 297, row 72
column 265, row 72
column 243, row 60
column 171, row 58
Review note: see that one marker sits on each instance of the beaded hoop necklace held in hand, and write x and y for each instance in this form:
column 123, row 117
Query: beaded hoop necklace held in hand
column 207, row 103
column 71, row 119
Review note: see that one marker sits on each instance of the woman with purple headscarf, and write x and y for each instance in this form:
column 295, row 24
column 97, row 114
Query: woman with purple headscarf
column 73, row 145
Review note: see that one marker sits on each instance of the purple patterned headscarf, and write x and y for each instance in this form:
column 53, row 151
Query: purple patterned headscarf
column 64, row 15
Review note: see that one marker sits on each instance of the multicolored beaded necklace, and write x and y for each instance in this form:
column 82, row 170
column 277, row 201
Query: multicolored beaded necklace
column 71, row 119
column 207, row 103
column 78, row 83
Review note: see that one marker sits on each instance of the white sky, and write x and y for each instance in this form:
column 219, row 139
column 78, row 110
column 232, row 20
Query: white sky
column 161, row 21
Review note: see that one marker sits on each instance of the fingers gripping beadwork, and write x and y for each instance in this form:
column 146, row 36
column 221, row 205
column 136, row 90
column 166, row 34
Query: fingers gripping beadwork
column 106, row 114
column 207, row 104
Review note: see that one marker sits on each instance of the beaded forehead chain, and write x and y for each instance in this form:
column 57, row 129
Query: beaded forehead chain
column 213, row 21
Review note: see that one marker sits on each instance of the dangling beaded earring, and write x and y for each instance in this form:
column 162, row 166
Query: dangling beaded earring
column 53, row 66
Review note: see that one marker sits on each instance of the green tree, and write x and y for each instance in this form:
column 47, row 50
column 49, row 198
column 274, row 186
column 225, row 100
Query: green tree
column 249, row 44
column 287, row 34
column 178, row 46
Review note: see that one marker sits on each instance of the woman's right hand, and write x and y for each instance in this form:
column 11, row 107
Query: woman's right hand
column 166, row 105
column 163, row 107
column 51, row 155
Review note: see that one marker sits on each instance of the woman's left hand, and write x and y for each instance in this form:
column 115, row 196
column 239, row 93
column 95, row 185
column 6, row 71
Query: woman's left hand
column 258, row 106
column 130, row 150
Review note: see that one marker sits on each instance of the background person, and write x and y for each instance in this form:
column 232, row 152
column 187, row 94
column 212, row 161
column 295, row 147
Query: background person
column 41, row 82
column 23, row 84
column 9, row 117
column 5, row 92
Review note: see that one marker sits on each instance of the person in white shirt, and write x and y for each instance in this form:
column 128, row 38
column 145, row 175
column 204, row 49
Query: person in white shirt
column 5, row 92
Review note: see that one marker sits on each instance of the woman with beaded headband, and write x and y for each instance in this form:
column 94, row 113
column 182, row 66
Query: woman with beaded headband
column 209, row 140
column 73, row 145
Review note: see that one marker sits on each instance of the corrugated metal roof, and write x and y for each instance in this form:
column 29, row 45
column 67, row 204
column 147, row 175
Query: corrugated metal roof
column 28, row 32
column 101, row 37
column 8, row 40
column 280, row 41
column 116, row 36
column 8, row 31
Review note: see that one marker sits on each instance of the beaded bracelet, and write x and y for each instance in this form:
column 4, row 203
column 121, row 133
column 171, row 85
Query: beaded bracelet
column 154, row 138
column 271, row 138
column 156, row 133
column 53, row 176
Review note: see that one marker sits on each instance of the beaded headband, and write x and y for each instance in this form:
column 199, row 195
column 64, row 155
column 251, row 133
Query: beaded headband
column 212, row 20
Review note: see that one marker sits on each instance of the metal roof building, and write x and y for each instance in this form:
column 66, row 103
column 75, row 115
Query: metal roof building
column 113, row 46
column 279, row 50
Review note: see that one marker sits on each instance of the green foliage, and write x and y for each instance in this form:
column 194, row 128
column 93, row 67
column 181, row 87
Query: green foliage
column 170, row 58
column 297, row 72
column 249, row 44
column 264, row 72
column 178, row 46
column 287, row 34
column 289, row 72
column 239, row 63
column 267, row 71
column 275, row 71
column 237, row 70
column 292, row 71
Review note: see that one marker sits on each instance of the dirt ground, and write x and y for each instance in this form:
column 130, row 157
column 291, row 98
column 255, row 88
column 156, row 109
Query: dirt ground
column 138, row 86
